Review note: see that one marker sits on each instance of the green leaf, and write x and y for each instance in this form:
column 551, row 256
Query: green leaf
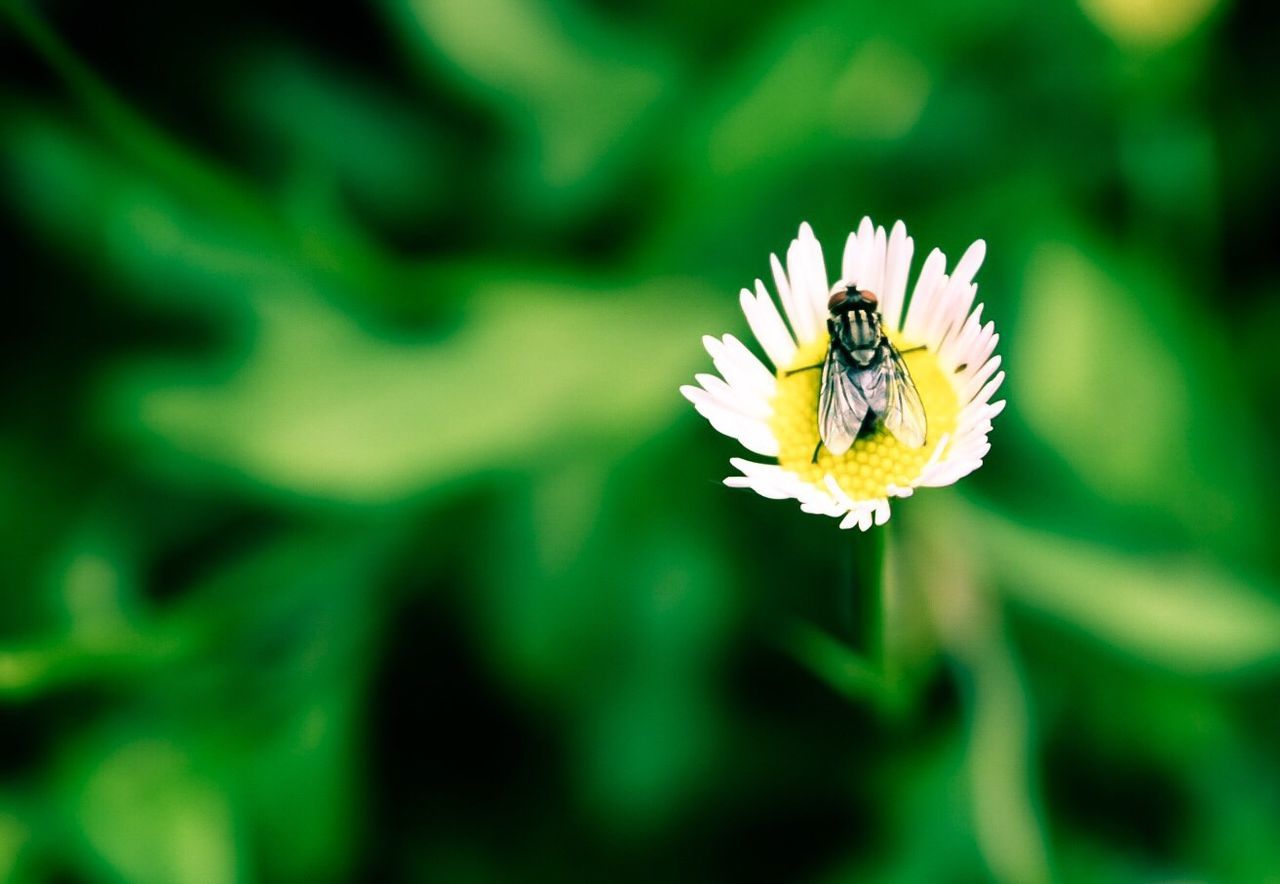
column 343, row 128
column 321, row 407
column 839, row 666
column 1178, row 612
column 578, row 99
column 15, row 835
column 819, row 86
column 1096, row 380
column 149, row 815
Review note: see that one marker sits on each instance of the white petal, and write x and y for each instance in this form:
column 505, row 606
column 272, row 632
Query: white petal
column 801, row 273
column 943, row 314
column 866, row 238
column 989, row 390
column 820, row 506
column 764, row 380
column 975, row 450
column 773, row 480
column 985, row 345
column 819, row 287
column 783, row 285
column 759, row 483
column 951, row 353
column 873, row 268
column 768, row 480
column 752, row 434
column 741, row 368
column 955, row 300
column 971, row 434
column 897, row 268
column 725, row 396
column 780, row 280
column 943, row 474
column 725, row 422
column 977, row 414
column 931, row 277
column 759, row 440
column 970, row 261
column 974, row 354
column 767, row 325
column 838, row 493
column 980, row 377
column 938, row 450
column 759, row 487
column 795, row 304
column 814, row 499
column 852, row 259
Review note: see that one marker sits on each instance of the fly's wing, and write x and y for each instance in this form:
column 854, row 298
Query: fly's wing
column 903, row 412
column 841, row 406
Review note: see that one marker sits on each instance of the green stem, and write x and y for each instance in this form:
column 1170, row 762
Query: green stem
column 891, row 621
column 868, row 592
column 1001, row 752
column 859, row 659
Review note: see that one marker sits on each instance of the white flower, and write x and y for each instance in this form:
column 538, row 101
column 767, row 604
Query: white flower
column 775, row 414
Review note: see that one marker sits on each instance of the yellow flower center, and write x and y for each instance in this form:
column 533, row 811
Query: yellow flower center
column 875, row 461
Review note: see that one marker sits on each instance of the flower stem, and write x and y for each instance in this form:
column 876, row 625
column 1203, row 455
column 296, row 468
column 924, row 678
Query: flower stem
column 890, row 624
column 867, row 593
column 859, row 655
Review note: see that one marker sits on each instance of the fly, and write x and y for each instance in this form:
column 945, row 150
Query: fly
column 864, row 378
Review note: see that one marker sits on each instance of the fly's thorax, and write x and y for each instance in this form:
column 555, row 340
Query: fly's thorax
column 857, row 333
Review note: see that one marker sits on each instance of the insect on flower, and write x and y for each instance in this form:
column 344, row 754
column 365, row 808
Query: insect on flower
column 864, row 378
column 866, row 430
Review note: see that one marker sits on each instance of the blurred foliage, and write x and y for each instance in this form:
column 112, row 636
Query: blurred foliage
column 354, row 529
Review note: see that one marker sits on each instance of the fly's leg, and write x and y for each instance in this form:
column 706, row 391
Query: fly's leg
column 806, row 368
column 911, row 349
column 816, row 449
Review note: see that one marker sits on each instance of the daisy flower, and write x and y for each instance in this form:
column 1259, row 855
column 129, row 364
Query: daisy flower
column 947, row 348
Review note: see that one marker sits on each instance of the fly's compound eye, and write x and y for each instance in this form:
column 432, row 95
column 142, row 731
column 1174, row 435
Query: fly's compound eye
column 850, row 298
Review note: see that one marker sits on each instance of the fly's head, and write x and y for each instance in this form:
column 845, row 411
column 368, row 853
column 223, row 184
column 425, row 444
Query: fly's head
column 846, row 298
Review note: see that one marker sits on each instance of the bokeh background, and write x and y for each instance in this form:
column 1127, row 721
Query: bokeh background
column 354, row 528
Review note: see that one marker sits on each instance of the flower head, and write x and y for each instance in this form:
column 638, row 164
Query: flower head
column 774, row 413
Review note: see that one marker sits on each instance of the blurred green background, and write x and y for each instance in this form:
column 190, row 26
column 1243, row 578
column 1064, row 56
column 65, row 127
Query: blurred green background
column 354, row 528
